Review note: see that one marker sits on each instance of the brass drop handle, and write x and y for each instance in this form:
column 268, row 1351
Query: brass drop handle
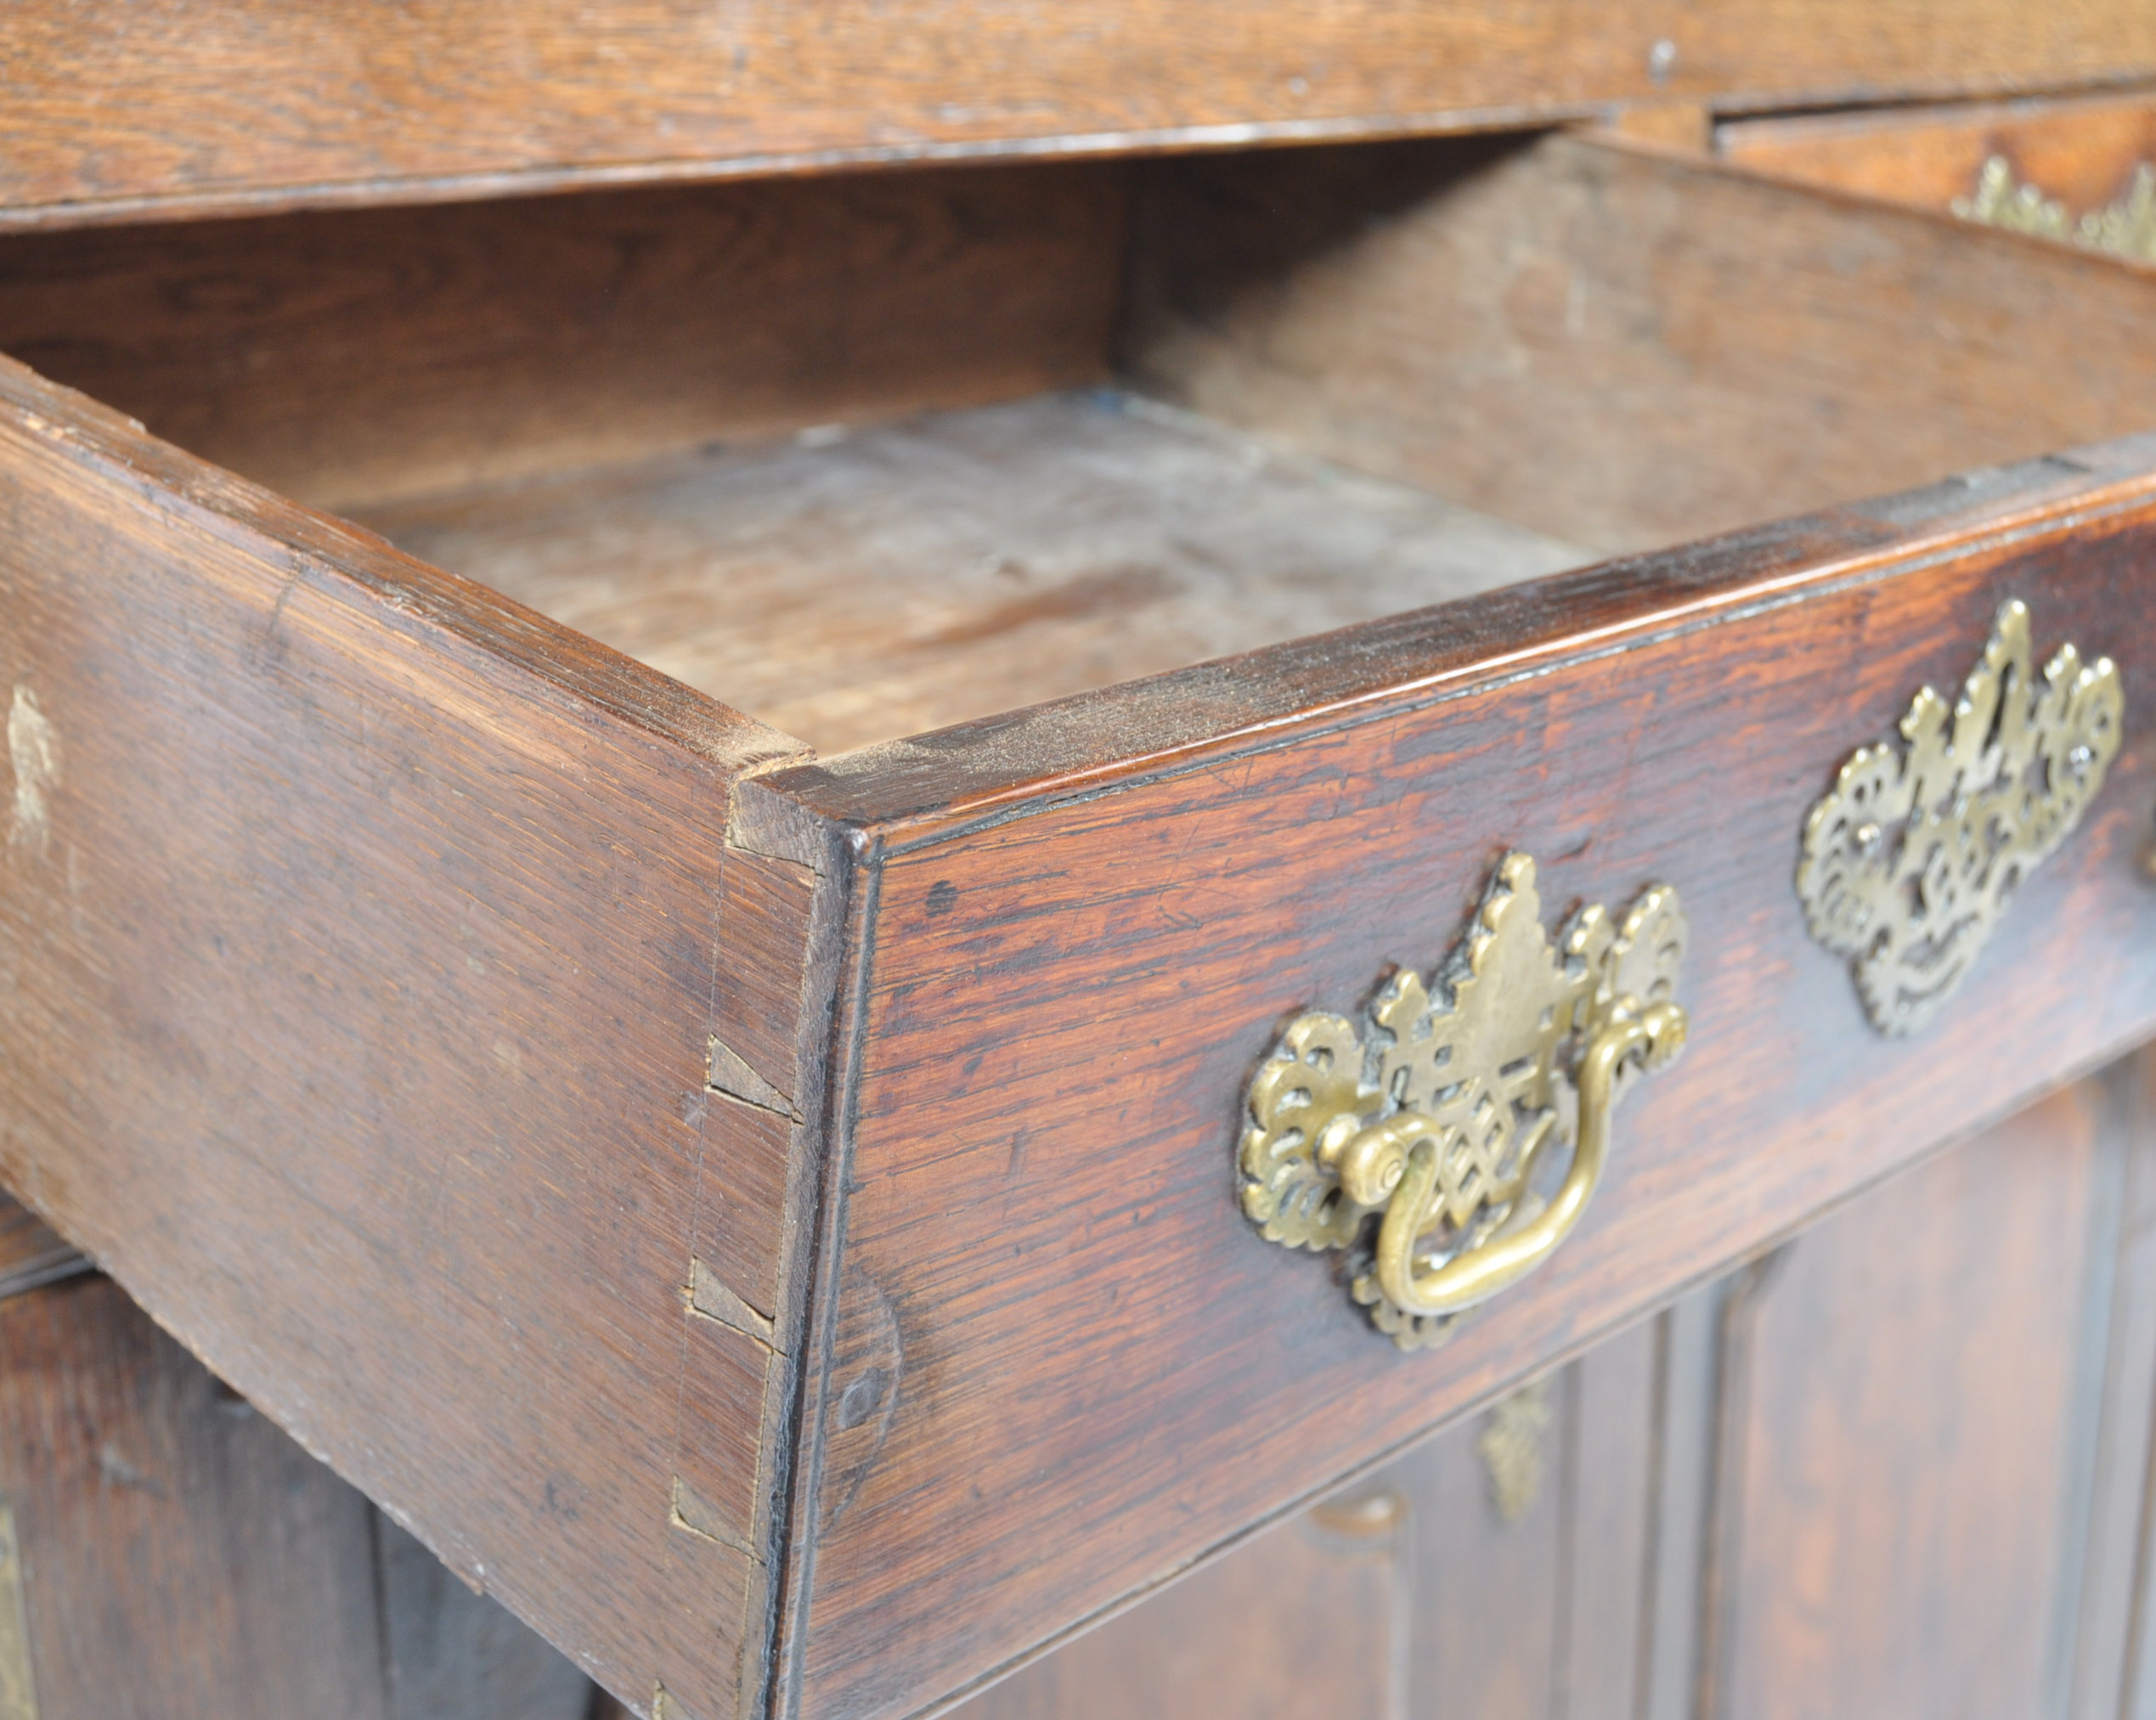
column 1429, row 1128
column 1516, row 1249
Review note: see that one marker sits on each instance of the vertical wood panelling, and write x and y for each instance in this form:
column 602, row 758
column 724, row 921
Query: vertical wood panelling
column 1903, row 1430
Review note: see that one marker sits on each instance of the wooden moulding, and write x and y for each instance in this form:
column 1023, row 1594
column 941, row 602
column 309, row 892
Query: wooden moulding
column 126, row 109
column 1086, row 924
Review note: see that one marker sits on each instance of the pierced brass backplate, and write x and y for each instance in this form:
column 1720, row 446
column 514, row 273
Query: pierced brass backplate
column 1424, row 1141
column 1910, row 858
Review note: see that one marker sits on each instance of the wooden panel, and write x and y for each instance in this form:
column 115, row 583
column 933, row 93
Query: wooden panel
column 950, row 569
column 1617, row 347
column 138, row 103
column 181, row 1559
column 1058, row 892
column 359, row 934
column 451, row 1654
column 1298, row 1625
column 1428, row 1588
column 352, row 357
column 1903, row 1440
column 2082, row 152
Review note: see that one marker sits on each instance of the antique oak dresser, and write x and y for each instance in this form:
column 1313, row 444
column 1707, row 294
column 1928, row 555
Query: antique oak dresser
column 1186, row 859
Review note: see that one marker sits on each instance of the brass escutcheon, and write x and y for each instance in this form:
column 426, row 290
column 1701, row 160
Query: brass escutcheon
column 1909, row 861
column 1423, row 1142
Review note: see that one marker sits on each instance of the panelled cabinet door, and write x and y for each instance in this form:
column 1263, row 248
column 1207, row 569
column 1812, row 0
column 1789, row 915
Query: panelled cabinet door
column 1895, row 1467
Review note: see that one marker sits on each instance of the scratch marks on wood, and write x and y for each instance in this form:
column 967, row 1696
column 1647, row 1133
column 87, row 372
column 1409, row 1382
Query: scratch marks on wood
column 34, row 750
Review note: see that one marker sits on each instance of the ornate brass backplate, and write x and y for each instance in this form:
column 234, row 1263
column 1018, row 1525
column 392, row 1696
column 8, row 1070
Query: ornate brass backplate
column 1911, row 858
column 1422, row 1140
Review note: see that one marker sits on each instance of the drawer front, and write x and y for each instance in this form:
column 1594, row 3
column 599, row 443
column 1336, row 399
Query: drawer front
column 1085, row 1365
column 358, row 936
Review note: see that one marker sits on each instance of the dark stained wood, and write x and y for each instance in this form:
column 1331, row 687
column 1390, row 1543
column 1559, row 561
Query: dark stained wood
column 1089, row 922
column 1621, row 347
column 1901, row 1517
column 130, row 108
column 348, row 357
column 361, row 941
column 2082, row 152
column 954, row 567
column 182, row 1560
column 451, row 1654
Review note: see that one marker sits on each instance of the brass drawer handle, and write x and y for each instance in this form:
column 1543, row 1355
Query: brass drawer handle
column 1909, row 861
column 1415, row 1145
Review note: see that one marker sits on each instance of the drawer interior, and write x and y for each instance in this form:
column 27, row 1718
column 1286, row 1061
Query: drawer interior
column 873, row 454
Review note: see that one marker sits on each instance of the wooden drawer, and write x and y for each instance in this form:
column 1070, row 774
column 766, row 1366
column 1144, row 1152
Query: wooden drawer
column 772, row 1218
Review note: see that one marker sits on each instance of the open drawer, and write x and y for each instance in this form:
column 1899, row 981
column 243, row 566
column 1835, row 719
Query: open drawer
column 773, row 1218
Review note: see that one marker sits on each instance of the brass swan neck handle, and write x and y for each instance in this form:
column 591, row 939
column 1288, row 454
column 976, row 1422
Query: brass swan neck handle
column 1517, row 1248
column 1414, row 1140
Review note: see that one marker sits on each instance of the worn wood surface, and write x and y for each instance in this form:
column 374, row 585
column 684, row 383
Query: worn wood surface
column 1621, row 347
column 360, row 930
column 1091, row 919
column 346, row 357
column 902, row 578
column 2082, row 152
column 180, row 1559
column 132, row 106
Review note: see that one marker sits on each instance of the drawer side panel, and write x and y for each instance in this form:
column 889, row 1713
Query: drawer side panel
column 357, row 944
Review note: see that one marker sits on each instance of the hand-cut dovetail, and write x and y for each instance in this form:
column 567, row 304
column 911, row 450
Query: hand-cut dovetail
column 715, row 1300
column 729, row 1075
column 699, row 1516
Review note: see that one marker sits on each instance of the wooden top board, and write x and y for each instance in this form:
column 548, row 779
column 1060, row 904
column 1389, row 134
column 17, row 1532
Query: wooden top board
column 122, row 109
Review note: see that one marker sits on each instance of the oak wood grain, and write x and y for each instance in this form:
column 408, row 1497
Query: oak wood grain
column 360, row 929
column 139, row 106
column 2083, row 152
column 1619, row 347
column 1091, row 919
column 347, row 357
column 852, row 589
